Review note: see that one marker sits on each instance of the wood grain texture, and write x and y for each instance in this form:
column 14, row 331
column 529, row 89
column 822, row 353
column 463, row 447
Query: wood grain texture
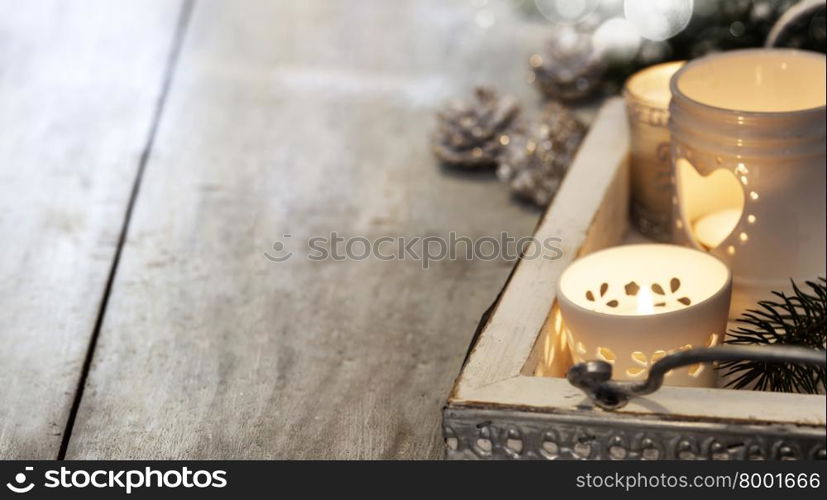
column 302, row 118
column 78, row 84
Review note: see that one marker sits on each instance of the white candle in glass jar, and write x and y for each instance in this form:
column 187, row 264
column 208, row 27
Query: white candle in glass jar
column 647, row 97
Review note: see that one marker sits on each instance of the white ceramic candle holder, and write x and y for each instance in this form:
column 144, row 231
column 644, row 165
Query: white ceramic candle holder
column 748, row 146
column 632, row 305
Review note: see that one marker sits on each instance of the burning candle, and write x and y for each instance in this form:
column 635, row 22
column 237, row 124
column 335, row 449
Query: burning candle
column 748, row 140
column 632, row 305
column 647, row 97
column 645, row 303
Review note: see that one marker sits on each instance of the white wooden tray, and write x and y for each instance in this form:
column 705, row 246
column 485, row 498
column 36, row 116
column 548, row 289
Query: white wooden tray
column 511, row 401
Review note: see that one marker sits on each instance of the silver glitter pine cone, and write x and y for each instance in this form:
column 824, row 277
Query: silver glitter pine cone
column 534, row 164
column 471, row 135
column 570, row 68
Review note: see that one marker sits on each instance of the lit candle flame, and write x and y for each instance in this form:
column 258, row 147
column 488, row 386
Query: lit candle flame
column 645, row 302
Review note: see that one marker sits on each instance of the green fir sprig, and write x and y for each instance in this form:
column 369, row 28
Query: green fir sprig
column 799, row 319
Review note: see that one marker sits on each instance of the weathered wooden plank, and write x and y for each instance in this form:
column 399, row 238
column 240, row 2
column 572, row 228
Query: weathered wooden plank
column 301, row 118
column 78, row 85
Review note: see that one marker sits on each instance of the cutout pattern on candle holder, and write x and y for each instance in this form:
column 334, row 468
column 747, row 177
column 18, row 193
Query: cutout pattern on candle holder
column 672, row 295
column 606, row 297
column 643, row 360
column 630, row 306
column 711, row 201
column 747, row 132
column 602, row 289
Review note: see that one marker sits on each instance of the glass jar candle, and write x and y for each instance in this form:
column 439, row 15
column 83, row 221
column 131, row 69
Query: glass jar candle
column 748, row 152
column 647, row 105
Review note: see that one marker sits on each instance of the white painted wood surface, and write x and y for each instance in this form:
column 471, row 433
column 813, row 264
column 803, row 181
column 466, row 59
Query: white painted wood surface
column 78, row 84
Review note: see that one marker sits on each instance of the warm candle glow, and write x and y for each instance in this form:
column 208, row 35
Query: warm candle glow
column 712, row 204
column 636, row 280
column 712, row 229
column 632, row 305
column 647, row 97
column 651, row 85
column 747, row 130
column 645, row 302
column 764, row 81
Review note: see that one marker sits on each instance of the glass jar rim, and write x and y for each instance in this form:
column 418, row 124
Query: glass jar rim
column 678, row 96
column 641, row 98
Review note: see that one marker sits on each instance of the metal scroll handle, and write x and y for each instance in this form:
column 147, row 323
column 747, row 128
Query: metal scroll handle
column 595, row 377
column 790, row 18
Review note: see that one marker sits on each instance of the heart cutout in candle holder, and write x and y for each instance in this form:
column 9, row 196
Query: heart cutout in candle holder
column 711, row 205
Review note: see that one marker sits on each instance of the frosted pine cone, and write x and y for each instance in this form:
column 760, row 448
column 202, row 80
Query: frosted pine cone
column 474, row 134
column 570, row 68
column 535, row 163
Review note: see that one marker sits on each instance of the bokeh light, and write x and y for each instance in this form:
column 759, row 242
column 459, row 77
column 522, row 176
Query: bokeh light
column 617, row 39
column 566, row 11
column 658, row 19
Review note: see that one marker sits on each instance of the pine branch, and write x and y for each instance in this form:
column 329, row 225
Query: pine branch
column 799, row 319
